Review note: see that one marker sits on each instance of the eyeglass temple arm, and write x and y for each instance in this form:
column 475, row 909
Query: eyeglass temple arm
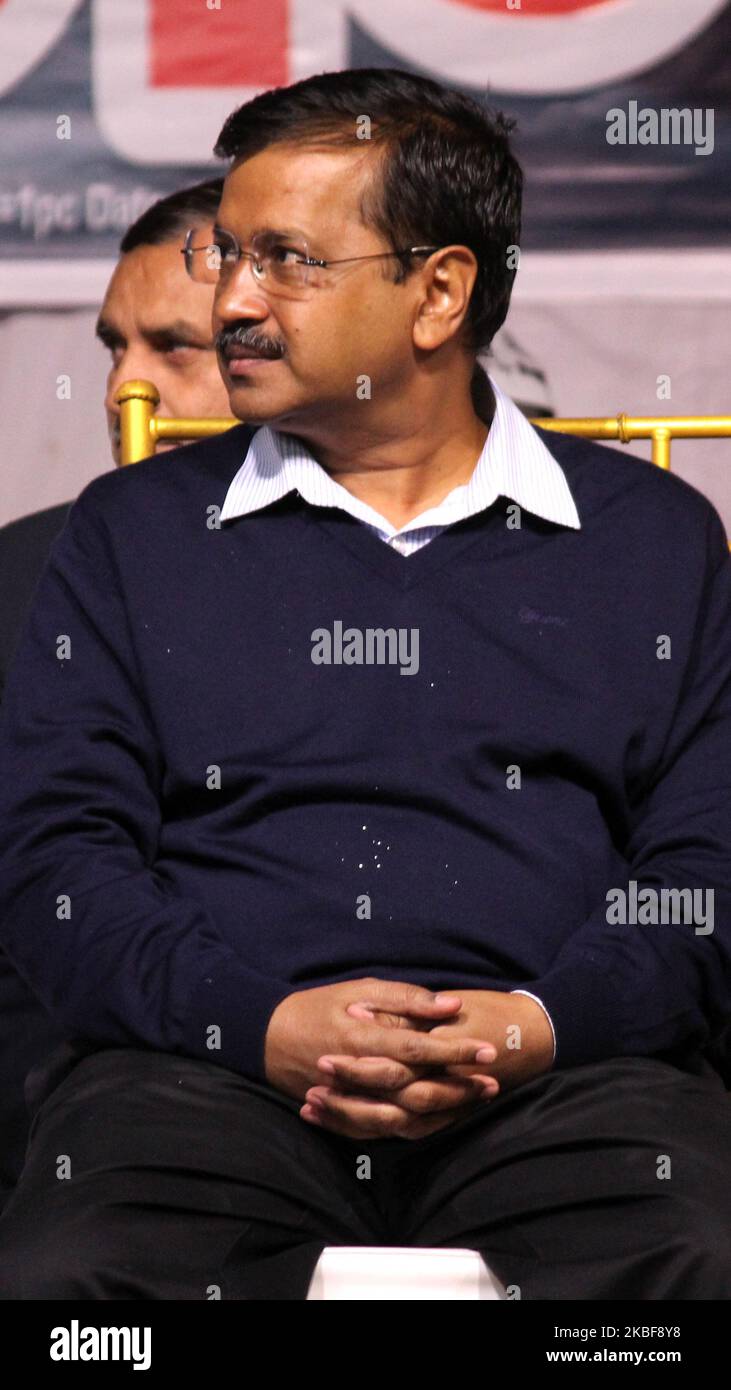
column 342, row 260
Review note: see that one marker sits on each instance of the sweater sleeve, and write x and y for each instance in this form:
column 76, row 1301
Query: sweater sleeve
column 641, row 988
column 112, row 953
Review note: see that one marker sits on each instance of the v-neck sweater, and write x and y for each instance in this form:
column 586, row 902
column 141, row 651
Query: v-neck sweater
column 243, row 759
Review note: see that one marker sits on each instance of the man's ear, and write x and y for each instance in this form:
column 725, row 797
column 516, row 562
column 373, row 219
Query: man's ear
column 447, row 288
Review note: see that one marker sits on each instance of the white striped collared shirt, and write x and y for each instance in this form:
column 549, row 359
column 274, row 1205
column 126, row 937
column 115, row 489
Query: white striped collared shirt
column 514, row 463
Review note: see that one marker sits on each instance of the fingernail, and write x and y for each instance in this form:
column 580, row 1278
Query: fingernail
column 486, row 1054
column 446, row 998
column 327, row 1066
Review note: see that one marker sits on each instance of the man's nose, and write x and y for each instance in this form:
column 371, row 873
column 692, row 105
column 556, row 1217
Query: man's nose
column 239, row 296
column 113, row 384
column 135, row 364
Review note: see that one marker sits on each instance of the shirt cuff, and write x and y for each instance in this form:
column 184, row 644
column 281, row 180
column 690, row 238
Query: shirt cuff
column 545, row 1010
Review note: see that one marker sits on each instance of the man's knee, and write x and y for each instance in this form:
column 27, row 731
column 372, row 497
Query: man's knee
column 81, row 1256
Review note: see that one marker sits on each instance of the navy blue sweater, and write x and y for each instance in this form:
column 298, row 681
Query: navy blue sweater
column 196, row 818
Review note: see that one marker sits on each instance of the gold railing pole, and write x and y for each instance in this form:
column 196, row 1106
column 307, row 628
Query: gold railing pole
column 661, row 429
column 661, row 448
column 137, row 401
column 182, row 428
column 628, row 427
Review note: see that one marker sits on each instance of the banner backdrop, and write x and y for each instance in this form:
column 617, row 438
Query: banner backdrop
column 623, row 132
column 622, row 105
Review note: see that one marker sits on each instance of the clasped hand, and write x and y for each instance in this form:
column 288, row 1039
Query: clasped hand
column 406, row 1063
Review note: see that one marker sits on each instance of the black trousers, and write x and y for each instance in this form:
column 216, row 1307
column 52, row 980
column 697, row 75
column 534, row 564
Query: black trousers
column 152, row 1176
column 27, row 1035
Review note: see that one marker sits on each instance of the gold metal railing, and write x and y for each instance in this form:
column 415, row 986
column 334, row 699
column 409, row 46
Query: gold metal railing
column 661, row 429
column 141, row 428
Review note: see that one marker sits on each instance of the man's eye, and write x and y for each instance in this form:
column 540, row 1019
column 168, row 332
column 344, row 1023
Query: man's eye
column 286, row 255
column 221, row 251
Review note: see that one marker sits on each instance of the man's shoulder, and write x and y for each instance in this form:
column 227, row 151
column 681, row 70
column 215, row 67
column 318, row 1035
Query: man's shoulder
column 24, row 549
column 203, row 469
column 33, row 532
column 634, row 495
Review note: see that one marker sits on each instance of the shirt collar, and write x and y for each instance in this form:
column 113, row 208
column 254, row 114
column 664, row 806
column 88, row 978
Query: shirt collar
column 514, row 463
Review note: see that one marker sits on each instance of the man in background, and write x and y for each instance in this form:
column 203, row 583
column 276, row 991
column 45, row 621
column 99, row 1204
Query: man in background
column 157, row 326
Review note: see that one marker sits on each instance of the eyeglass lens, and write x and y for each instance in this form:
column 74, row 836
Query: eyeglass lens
column 274, row 262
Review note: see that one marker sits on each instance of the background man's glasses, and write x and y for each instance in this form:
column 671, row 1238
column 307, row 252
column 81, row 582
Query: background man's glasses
column 275, row 264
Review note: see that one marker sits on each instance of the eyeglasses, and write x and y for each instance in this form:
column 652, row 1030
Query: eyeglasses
column 280, row 267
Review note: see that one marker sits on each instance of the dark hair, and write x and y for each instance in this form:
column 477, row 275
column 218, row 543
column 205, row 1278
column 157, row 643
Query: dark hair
column 447, row 174
column 170, row 217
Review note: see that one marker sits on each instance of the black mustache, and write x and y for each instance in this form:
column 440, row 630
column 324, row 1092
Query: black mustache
column 239, row 337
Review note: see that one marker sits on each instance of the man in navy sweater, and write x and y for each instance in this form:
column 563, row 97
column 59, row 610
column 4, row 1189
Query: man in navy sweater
column 365, row 781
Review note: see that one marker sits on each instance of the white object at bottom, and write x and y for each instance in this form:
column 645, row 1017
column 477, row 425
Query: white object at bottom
column 402, row 1272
